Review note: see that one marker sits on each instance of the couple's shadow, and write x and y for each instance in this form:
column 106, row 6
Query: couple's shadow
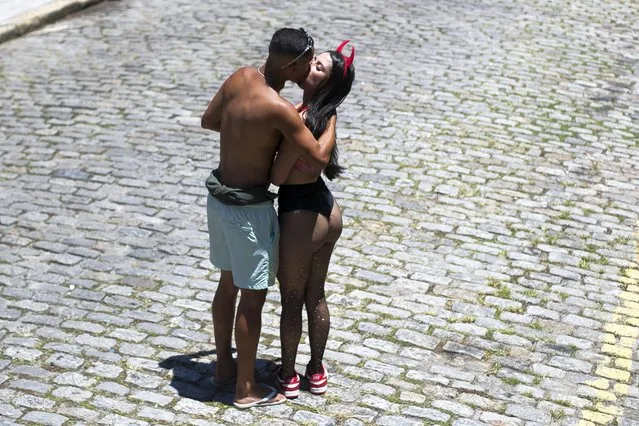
column 192, row 377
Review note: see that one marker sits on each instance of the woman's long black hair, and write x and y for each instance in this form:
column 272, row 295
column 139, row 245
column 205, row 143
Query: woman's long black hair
column 324, row 103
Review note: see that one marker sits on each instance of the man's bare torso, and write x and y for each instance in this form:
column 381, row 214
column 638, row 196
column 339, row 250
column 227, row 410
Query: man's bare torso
column 248, row 140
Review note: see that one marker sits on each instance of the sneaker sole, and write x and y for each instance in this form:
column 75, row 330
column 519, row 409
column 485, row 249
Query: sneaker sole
column 290, row 394
column 318, row 390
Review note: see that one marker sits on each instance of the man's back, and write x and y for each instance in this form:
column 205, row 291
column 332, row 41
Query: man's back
column 248, row 139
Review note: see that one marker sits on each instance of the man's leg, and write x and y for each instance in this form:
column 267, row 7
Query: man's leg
column 223, row 309
column 254, row 253
column 248, row 326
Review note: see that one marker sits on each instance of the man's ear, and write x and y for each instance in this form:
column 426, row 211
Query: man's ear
column 293, row 69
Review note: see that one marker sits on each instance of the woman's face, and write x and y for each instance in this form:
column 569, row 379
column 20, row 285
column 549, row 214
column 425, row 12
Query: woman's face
column 321, row 68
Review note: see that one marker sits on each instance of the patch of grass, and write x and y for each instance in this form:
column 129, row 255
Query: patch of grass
column 494, row 369
column 496, row 352
column 535, row 325
column 330, row 398
column 562, row 402
column 557, row 415
column 503, row 292
column 536, row 380
column 530, row 293
column 382, row 316
column 591, row 248
column 464, row 319
column 515, row 309
column 511, row 381
column 564, row 296
column 564, row 215
column 391, row 338
column 528, row 394
column 468, row 319
column 440, row 234
column 349, row 288
column 493, row 282
column 584, row 262
column 569, row 203
column 621, row 240
column 552, row 237
column 471, row 191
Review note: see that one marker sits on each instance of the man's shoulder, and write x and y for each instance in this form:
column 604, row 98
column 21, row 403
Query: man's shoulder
column 246, row 71
column 279, row 106
column 242, row 74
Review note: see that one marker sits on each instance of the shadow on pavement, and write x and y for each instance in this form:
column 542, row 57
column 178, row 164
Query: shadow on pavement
column 192, row 378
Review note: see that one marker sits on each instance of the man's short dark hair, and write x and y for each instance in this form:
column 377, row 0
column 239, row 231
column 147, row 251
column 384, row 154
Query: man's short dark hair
column 291, row 41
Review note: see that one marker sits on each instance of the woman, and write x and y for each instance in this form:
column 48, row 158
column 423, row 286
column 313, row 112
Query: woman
column 310, row 224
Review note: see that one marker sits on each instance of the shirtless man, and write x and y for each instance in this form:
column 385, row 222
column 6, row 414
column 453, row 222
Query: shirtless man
column 252, row 118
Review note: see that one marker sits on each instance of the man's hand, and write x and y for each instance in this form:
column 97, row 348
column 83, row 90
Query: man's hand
column 288, row 122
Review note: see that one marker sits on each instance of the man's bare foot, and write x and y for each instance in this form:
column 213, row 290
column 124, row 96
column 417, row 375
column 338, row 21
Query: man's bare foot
column 262, row 396
column 225, row 373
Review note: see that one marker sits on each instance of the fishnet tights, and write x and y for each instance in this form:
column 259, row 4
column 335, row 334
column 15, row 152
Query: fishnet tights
column 307, row 240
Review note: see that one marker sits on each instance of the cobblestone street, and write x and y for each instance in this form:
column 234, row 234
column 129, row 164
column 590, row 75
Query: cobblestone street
column 488, row 272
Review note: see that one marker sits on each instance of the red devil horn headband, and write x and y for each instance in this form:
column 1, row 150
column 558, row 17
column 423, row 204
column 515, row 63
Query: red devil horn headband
column 348, row 61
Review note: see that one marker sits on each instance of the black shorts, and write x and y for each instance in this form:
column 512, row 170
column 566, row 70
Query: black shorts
column 315, row 197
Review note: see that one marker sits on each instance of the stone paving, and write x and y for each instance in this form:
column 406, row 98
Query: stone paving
column 11, row 8
column 487, row 274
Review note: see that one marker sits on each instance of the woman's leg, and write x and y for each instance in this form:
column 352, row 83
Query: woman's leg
column 299, row 238
column 319, row 320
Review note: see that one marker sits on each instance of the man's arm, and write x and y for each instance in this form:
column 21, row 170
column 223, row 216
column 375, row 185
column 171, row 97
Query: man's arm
column 288, row 122
column 212, row 117
column 286, row 158
column 288, row 154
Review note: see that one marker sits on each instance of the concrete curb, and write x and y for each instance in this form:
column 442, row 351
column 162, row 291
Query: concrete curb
column 40, row 16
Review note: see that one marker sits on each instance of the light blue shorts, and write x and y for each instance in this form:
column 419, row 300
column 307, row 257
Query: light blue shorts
column 245, row 241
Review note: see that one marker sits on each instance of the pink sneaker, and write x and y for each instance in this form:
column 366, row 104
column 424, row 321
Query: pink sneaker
column 290, row 386
column 317, row 383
